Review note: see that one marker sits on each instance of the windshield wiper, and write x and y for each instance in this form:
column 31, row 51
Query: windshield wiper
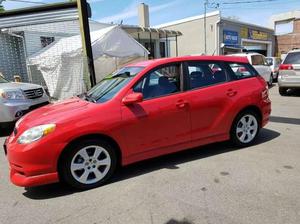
column 90, row 99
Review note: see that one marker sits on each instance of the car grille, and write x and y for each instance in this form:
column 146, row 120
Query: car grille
column 34, row 93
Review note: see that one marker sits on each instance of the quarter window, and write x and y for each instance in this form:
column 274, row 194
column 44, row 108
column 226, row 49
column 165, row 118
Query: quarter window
column 201, row 74
column 241, row 71
column 160, row 82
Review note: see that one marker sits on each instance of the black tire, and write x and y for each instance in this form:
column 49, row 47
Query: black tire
column 65, row 171
column 283, row 91
column 233, row 132
column 270, row 83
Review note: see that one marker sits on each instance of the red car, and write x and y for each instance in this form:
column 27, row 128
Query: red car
column 142, row 111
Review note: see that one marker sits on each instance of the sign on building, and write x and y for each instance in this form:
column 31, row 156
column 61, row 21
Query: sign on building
column 230, row 37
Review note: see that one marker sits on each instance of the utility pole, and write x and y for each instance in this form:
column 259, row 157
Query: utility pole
column 83, row 12
column 205, row 9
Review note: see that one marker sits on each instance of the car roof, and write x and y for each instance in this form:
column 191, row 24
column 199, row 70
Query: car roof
column 245, row 54
column 295, row 50
column 161, row 61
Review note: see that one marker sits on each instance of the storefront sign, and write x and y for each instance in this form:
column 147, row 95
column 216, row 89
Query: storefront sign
column 258, row 35
column 244, row 32
column 230, row 37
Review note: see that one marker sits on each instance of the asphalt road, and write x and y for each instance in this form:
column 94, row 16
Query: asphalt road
column 212, row 184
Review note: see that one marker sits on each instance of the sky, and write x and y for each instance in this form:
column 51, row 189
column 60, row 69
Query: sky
column 162, row 11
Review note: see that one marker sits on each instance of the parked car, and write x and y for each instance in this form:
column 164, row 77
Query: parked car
column 289, row 72
column 258, row 61
column 17, row 99
column 142, row 111
column 274, row 64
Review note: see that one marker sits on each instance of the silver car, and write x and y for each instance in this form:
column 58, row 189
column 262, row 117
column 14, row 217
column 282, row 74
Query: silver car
column 274, row 64
column 17, row 99
column 289, row 72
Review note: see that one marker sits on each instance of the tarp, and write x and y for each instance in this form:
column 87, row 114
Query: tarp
column 63, row 68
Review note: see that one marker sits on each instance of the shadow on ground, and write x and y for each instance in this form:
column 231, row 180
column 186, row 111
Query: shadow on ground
column 164, row 162
column 285, row 120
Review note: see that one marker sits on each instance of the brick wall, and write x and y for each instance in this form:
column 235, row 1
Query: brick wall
column 285, row 43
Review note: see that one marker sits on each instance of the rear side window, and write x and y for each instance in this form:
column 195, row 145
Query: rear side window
column 201, row 74
column 241, row 71
column 257, row 60
column 292, row 58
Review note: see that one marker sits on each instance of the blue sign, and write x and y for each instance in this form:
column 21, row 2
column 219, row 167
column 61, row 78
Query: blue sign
column 230, row 37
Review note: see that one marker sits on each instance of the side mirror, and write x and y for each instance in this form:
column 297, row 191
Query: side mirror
column 132, row 98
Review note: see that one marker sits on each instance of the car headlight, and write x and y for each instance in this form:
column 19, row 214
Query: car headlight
column 12, row 94
column 36, row 133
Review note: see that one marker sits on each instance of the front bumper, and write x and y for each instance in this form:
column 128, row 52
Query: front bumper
column 33, row 164
column 12, row 110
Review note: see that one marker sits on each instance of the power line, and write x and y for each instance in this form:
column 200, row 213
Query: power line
column 247, row 2
column 30, row 2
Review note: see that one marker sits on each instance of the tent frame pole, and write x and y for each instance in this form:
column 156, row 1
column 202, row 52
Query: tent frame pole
column 86, row 38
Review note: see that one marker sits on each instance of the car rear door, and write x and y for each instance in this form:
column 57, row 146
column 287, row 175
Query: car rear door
column 210, row 96
column 162, row 119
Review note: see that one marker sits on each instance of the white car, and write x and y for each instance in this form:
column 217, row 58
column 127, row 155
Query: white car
column 258, row 61
column 17, row 99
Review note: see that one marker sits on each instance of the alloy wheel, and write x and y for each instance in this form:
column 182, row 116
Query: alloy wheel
column 246, row 128
column 90, row 164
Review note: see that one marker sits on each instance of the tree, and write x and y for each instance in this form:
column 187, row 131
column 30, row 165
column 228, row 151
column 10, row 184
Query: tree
column 2, row 9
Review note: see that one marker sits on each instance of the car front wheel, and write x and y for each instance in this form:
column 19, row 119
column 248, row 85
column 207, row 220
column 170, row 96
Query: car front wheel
column 245, row 129
column 89, row 164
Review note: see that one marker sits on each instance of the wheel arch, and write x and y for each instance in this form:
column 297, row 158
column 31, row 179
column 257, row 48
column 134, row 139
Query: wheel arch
column 252, row 108
column 92, row 136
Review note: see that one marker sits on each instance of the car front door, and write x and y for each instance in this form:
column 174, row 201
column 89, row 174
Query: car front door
column 162, row 120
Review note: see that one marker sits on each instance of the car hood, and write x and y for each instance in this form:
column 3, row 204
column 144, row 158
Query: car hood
column 56, row 113
column 18, row 85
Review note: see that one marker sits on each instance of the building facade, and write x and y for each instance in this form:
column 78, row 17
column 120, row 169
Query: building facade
column 287, row 31
column 223, row 36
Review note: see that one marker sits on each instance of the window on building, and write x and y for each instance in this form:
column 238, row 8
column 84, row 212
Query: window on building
column 45, row 41
column 162, row 47
column 160, row 82
column 203, row 74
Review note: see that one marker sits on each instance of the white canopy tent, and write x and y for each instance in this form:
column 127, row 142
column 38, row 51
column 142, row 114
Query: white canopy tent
column 64, row 68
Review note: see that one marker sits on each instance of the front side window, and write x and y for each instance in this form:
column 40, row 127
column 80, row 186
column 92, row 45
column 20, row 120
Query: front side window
column 241, row 71
column 3, row 80
column 45, row 41
column 160, row 82
column 201, row 74
column 112, row 84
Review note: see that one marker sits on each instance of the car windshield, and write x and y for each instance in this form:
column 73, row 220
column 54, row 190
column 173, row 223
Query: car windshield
column 292, row 58
column 3, row 80
column 111, row 85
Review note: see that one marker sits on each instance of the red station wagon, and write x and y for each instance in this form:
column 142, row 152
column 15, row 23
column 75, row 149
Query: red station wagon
column 142, row 111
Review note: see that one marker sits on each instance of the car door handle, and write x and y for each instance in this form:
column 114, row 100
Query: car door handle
column 231, row 92
column 181, row 104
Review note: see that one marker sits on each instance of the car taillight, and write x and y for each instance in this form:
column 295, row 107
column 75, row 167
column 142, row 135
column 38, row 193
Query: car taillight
column 286, row 67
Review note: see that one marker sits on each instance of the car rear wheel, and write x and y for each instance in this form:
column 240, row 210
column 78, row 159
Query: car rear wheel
column 89, row 164
column 283, row 91
column 245, row 128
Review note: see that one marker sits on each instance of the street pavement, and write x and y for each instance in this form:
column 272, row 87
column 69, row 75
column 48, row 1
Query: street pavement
column 212, row 184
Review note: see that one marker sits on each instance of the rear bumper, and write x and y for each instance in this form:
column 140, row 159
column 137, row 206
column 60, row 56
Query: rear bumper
column 266, row 112
column 286, row 82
